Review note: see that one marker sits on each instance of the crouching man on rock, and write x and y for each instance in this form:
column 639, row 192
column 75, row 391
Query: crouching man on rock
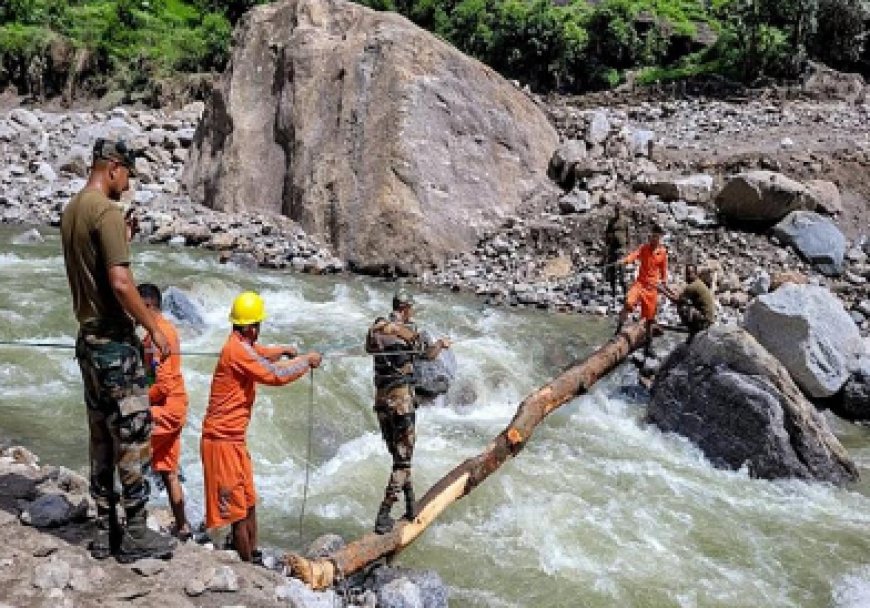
column 228, row 474
column 106, row 303
column 395, row 343
column 695, row 303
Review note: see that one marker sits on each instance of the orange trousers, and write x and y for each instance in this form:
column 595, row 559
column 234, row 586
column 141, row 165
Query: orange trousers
column 228, row 477
column 647, row 297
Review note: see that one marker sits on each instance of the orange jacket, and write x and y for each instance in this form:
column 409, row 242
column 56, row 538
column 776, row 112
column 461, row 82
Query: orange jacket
column 167, row 395
column 233, row 387
column 653, row 264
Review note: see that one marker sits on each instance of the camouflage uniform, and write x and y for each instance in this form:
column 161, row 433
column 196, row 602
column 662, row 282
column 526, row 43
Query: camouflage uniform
column 616, row 240
column 399, row 343
column 119, row 416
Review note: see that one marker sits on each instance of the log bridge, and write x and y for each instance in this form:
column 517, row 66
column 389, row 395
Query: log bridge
column 323, row 572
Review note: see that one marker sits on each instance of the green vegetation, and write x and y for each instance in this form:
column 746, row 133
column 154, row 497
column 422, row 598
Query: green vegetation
column 565, row 45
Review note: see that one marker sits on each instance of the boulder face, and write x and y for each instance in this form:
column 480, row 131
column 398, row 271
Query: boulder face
column 732, row 398
column 763, row 196
column 816, row 238
column 809, row 331
column 372, row 133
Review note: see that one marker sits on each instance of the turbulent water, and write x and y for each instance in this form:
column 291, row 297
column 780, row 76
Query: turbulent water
column 599, row 510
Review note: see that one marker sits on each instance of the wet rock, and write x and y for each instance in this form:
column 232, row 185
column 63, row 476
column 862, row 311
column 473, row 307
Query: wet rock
column 31, row 237
column 732, row 398
column 182, row 308
column 52, row 574
column 809, row 331
column 244, row 260
column 406, row 587
column 400, row 593
column 52, row 510
column 816, row 238
column 759, row 283
column 854, row 402
column 297, row 595
column 434, row 377
column 762, row 196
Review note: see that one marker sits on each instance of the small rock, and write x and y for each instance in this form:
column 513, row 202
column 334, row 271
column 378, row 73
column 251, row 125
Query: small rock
column 400, row 593
column 53, row 574
column 598, row 128
column 224, row 579
column 31, row 237
column 52, row 510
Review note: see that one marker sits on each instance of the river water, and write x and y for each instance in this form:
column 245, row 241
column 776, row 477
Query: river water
column 600, row 509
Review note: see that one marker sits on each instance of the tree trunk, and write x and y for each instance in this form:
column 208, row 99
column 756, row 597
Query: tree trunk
column 321, row 573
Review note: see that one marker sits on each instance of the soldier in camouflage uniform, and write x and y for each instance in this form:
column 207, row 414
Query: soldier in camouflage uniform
column 616, row 239
column 106, row 303
column 395, row 343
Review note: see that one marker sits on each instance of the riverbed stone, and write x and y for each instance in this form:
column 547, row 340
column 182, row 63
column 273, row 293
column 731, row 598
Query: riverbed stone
column 182, row 308
column 762, row 196
column 816, row 238
column 809, row 331
column 54, row 573
column 730, row 396
column 52, row 510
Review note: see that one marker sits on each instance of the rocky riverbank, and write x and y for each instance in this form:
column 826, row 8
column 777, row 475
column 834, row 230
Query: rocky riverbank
column 47, row 518
column 670, row 163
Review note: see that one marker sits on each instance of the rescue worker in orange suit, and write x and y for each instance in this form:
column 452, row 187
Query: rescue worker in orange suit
column 653, row 271
column 228, row 474
column 168, row 399
column 395, row 344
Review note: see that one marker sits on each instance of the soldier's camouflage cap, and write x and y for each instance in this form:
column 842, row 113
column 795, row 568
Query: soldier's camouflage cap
column 107, row 149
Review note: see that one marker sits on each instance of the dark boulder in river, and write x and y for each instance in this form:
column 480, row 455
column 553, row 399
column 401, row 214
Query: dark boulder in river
column 182, row 308
column 732, row 398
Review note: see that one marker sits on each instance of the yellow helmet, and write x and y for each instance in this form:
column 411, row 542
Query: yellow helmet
column 248, row 308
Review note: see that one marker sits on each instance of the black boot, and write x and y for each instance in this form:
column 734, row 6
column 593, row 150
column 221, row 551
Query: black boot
column 410, row 504
column 384, row 523
column 107, row 534
column 138, row 542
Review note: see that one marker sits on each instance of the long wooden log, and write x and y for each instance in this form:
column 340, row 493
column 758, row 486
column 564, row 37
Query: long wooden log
column 322, row 573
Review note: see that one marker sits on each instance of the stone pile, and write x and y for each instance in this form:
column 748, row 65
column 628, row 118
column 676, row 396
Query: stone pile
column 44, row 160
column 719, row 207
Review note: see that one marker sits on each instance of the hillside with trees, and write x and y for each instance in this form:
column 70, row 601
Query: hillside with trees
column 132, row 48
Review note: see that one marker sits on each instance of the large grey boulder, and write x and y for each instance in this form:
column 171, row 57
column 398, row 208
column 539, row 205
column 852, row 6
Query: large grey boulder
column 182, row 308
column 434, row 377
column 816, row 238
column 406, row 588
column 561, row 166
column 372, row 133
column 696, row 188
column 809, row 331
column 762, row 196
column 732, row 398
column 827, row 195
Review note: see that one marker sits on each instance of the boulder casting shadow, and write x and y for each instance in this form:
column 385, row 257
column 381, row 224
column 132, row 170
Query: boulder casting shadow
column 733, row 399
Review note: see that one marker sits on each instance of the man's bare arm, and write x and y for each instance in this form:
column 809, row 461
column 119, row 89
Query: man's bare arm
column 122, row 283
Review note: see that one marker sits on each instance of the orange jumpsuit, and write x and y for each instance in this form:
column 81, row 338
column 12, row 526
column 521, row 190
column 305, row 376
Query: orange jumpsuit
column 653, row 270
column 227, row 470
column 168, row 399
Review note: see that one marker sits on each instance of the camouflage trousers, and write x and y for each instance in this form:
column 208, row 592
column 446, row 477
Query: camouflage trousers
column 395, row 410
column 119, row 417
column 615, row 273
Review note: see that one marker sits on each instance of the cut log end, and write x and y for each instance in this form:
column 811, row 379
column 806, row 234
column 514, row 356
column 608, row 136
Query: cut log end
column 317, row 574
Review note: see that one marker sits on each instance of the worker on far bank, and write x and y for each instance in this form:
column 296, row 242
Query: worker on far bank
column 395, row 343
column 616, row 239
column 168, row 399
column 695, row 303
column 228, row 475
column 653, row 271
column 106, row 302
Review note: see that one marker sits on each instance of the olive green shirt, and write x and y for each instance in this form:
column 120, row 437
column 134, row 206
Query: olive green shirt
column 616, row 233
column 700, row 297
column 94, row 238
